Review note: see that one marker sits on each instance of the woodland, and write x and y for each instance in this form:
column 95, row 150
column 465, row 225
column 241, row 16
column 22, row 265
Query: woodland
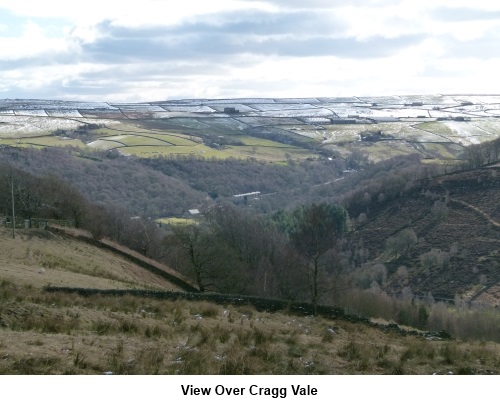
column 370, row 237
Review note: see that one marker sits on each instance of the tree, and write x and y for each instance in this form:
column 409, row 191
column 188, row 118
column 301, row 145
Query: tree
column 401, row 243
column 195, row 242
column 143, row 236
column 232, row 250
column 315, row 231
column 63, row 201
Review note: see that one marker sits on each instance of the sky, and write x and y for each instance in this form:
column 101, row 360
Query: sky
column 152, row 50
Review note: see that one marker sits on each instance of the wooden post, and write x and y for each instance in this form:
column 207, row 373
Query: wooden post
column 13, row 211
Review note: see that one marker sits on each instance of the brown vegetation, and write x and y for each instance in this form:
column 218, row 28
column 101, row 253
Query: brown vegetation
column 47, row 333
column 40, row 258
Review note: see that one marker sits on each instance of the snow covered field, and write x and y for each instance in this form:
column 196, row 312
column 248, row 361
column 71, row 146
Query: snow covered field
column 14, row 126
column 455, row 119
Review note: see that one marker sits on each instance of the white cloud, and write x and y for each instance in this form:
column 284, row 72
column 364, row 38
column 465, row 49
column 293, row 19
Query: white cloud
column 33, row 41
column 158, row 49
column 128, row 13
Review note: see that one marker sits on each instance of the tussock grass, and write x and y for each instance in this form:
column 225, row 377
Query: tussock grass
column 139, row 335
column 35, row 365
column 42, row 258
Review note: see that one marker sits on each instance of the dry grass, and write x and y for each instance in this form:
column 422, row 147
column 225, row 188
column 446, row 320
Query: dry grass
column 60, row 333
column 57, row 333
column 40, row 258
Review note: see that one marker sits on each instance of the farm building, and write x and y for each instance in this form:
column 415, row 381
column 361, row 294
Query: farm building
column 342, row 121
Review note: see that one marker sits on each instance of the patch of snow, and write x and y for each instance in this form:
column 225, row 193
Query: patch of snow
column 64, row 113
column 34, row 113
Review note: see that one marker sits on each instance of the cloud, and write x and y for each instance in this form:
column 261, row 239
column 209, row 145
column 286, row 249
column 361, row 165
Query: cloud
column 461, row 14
column 230, row 34
column 158, row 49
column 484, row 48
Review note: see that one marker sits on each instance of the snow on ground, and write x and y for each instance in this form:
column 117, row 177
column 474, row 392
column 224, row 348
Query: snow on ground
column 459, row 99
column 342, row 111
column 33, row 124
column 312, row 112
column 226, row 123
column 296, row 100
column 399, row 113
column 240, row 101
column 468, row 132
column 280, row 107
column 445, row 114
column 243, row 108
column 491, row 126
column 434, row 99
column 26, row 125
column 487, row 99
column 382, row 100
column 64, row 113
column 138, row 108
column 178, row 114
column 399, row 130
column 317, row 120
column 338, row 99
column 42, row 116
column 188, row 108
column 23, row 104
column 206, row 101
column 33, row 113
column 472, row 110
column 269, row 121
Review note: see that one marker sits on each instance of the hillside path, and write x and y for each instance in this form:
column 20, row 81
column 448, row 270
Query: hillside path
column 482, row 213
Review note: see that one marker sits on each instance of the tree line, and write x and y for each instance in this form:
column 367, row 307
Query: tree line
column 292, row 254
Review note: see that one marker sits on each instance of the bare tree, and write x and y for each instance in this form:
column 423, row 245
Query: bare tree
column 194, row 241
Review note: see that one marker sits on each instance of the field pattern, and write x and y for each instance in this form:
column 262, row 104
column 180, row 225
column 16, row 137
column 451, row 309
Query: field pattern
column 436, row 126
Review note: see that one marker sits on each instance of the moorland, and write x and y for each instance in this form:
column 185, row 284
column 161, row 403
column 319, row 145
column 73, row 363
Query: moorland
column 384, row 208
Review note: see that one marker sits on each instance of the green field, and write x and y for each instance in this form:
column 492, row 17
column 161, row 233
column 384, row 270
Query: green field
column 136, row 140
column 186, row 136
column 51, row 141
column 252, row 141
column 436, row 127
column 176, row 221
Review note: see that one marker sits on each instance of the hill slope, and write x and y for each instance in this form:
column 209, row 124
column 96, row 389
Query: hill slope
column 40, row 258
column 446, row 232
column 43, row 332
column 61, row 333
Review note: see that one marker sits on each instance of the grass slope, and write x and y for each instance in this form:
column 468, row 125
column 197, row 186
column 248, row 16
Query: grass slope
column 45, row 332
column 61, row 333
column 41, row 258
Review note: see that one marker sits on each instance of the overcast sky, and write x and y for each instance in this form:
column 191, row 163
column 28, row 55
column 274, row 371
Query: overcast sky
column 151, row 50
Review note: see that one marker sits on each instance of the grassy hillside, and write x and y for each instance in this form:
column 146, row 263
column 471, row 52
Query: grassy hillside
column 41, row 258
column 60, row 333
column 44, row 332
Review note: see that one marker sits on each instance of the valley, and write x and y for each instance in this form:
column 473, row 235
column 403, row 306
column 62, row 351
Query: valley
column 383, row 209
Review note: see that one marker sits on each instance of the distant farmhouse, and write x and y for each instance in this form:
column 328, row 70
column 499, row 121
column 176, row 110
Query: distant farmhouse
column 374, row 136
column 343, row 120
column 231, row 110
